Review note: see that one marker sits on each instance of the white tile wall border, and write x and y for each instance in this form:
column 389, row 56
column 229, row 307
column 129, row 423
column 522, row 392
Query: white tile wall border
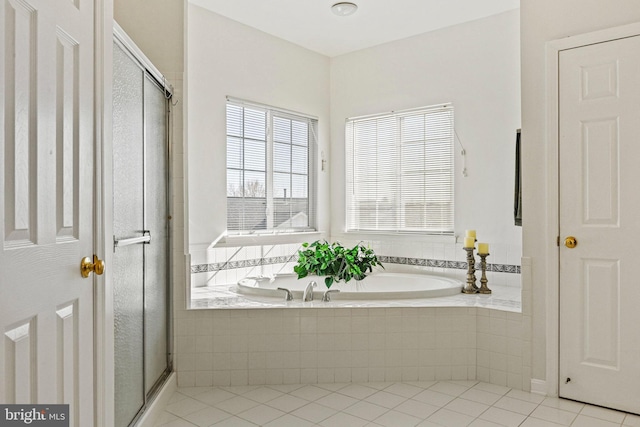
column 420, row 262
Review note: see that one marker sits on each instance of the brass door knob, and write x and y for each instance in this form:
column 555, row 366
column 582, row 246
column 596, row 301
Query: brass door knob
column 87, row 267
column 571, row 242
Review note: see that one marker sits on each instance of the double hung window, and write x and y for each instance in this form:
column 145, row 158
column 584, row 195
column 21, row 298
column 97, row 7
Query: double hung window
column 270, row 170
column 400, row 171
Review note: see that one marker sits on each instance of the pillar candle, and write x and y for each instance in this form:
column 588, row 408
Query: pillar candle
column 483, row 248
column 469, row 242
column 471, row 233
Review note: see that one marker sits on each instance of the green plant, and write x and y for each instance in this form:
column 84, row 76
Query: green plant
column 334, row 261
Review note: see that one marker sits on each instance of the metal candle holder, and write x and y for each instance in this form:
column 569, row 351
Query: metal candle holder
column 470, row 287
column 483, row 281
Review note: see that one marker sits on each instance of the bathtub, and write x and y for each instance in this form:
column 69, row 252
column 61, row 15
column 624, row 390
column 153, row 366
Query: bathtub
column 376, row 286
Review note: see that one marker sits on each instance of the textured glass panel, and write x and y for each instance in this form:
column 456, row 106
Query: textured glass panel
column 128, row 314
column 127, row 273
column 156, row 260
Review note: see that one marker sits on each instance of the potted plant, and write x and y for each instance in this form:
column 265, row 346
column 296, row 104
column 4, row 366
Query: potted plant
column 335, row 262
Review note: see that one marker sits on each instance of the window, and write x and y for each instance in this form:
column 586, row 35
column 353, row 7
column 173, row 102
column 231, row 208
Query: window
column 270, row 170
column 400, row 171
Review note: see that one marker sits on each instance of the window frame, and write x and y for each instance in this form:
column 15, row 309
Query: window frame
column 353, row 224
column 272, row 113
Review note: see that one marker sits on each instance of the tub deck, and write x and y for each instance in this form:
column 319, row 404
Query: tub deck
column 377, row 286
column 504, row 298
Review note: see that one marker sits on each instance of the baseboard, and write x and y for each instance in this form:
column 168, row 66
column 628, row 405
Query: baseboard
column 159, row 403
column 539, row 387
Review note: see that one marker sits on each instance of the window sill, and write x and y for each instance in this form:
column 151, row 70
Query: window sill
column 269, row 239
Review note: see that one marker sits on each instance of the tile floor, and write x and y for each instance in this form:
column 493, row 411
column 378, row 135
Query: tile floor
column 448, row 404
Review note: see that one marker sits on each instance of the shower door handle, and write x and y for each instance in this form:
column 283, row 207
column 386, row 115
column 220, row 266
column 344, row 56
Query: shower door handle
column 146, row 238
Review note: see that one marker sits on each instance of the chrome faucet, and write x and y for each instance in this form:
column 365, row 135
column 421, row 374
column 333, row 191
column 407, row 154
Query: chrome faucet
column 308, row 291
column 326, row 297
column 288, row 296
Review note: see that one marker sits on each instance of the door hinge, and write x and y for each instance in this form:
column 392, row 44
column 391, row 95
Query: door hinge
column 558, row 241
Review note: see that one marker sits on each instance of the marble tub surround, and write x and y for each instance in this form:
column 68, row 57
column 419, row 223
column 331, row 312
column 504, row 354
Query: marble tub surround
column 227, row 265
column 505, row 298
column 214, row 275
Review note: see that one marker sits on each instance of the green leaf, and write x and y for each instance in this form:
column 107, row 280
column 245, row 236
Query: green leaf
column 335, row 262
column 328, row 281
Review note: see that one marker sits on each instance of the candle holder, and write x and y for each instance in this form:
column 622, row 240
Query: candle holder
column 483, row 281
column 470, row 287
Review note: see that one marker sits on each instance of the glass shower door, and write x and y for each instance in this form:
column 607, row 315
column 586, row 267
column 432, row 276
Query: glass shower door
column 141, row 236
column 156, row 266
column 128, row 217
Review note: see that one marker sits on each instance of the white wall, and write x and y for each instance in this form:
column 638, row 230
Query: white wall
column 476, row 66
column 228, row 58
column 543, row 21
column 157, row 28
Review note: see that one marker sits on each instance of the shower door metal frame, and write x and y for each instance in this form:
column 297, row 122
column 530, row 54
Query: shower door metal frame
column 150, row 72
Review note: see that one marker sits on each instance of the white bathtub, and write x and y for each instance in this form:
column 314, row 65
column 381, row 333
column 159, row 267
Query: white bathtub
column 375, row 286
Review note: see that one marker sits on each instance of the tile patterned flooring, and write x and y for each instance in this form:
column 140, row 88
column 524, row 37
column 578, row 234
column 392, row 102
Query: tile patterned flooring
column 443, row 403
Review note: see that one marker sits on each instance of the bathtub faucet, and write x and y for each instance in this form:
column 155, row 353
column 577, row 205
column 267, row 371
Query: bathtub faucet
column 308, row 291
column 327, row 297
column 287, row 296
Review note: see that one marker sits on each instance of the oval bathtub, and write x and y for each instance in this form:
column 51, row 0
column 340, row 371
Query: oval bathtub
column 375, row 286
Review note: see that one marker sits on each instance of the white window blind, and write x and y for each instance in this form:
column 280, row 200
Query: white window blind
column 270, row 170
column 400, row 171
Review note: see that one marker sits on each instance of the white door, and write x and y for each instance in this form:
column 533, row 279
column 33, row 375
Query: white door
column 46, row 187
column 599, row 87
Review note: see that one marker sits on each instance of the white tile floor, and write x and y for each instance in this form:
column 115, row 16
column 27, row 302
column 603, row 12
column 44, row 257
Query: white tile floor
column 448, row 404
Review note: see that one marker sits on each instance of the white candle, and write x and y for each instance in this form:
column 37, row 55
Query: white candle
column 469, row 242
column 483, row 248
column 471, row 233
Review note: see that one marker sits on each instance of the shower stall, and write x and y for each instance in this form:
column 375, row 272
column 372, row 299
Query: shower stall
column 141, row 260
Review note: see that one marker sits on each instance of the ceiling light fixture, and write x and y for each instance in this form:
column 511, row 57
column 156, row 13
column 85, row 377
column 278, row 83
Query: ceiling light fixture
column 344, row 8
